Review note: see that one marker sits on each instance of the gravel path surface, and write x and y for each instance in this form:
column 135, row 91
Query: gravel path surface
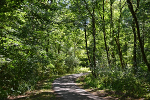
column 65, row 87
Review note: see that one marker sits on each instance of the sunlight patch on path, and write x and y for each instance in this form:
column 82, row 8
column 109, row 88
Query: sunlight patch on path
column 68, row 90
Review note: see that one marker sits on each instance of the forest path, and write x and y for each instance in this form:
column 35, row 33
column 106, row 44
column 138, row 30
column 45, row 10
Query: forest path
column 66, row 88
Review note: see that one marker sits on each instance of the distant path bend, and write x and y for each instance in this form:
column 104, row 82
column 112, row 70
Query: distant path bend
column 66, row 88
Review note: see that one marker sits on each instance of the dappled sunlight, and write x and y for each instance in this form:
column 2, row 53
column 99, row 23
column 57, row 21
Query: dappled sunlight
column 34, row 95
column 41, row 40
column 66, row 88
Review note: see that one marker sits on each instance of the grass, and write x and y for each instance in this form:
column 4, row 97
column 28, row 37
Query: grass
column 43, row 89
column 125, row 86
column 81, row 69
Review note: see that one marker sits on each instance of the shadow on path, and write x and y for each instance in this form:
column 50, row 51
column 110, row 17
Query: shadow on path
column 42, row 91
column 66, row 88
column 40, row 96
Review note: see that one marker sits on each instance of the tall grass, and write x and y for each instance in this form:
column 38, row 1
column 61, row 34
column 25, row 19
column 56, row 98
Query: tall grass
column 125, row 82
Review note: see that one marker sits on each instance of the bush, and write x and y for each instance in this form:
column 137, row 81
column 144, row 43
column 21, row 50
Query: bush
column 71, row 62
column 123, row 81
column 80, row 69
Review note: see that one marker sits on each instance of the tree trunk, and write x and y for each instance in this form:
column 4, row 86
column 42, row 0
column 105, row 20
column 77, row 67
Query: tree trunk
column 104, row 32
column 117, row 40
column 86, row 45
column 120, row 52
column 130, row 6
column 112, row 33
column 47, row 46
column 134, row 51
column 94, row 41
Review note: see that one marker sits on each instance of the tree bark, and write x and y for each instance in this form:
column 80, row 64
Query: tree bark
column 104, row 32
column 134, row 50
column 47, row 46
column 86, row 45
column 130, row 6
column 94, row 41
column 120, row 52
column 117, row 40
column 112, row 34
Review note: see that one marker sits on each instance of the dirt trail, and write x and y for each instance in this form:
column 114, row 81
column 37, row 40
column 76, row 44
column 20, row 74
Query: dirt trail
column 66, row 88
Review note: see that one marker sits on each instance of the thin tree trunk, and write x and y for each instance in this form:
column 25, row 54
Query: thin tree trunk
column 94, row 41
column 143, row 28
column 130, row 6
column 134, row 51
column 104, row 32
column 111, row 22
column 47, row 43
column 117, row 40
column 48, row 37
column 120, row 52
column 86, row 45
column 112, row 33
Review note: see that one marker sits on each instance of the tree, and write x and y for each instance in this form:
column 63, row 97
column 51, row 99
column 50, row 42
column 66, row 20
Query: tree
column 138, row 32
column 106, row 47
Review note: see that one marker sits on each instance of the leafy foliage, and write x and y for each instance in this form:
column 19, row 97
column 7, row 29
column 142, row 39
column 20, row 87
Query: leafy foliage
column 44, row 38
column 135, row 86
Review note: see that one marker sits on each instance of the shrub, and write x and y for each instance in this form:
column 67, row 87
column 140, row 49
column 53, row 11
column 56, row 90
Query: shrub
column 123, row 81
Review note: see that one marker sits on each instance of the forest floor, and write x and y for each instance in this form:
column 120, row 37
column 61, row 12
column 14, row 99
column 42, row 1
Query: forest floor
column 65, row 88
column 43, row 91
column 106, row 94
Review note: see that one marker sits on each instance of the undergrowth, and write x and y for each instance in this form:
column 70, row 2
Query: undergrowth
column 43, row 83
column 127, row 84
column 81, row 69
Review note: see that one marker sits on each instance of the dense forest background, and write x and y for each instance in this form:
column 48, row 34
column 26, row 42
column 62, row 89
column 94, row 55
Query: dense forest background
column 48, row 37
